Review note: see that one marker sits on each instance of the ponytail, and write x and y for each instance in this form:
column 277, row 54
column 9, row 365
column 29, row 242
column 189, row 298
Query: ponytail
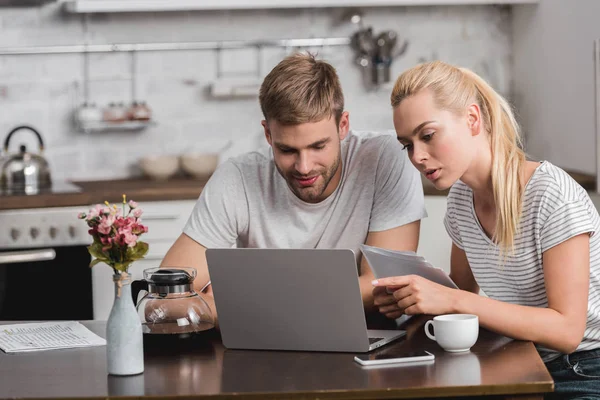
column 508, row 159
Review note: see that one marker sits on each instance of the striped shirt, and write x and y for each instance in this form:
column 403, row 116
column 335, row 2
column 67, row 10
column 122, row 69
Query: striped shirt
column 555, row 209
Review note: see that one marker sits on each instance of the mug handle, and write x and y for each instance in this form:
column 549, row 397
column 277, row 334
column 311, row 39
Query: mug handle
column 429, row 335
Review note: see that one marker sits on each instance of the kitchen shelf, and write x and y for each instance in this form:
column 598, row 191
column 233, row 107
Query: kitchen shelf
column 114, row 6
column 95, row 127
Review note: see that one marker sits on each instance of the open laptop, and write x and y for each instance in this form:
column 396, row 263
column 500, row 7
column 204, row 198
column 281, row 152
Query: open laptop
column 291, row 299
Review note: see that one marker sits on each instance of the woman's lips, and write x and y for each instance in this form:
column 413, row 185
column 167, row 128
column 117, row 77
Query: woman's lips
column 432, row 175
column 307, row 181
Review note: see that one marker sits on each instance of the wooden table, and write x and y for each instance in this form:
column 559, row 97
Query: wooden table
column 496, row 366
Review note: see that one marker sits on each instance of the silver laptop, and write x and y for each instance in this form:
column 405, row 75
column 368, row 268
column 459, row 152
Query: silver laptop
column 291, row 299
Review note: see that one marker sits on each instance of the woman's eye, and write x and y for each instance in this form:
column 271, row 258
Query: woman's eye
column 427, row 138
column 407, row 147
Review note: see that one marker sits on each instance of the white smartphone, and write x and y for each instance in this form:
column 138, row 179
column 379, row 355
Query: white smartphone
column 404, row 357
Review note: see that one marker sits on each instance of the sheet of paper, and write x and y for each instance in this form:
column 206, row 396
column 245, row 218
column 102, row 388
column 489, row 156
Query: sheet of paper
column 386, row 263
column 23, row 337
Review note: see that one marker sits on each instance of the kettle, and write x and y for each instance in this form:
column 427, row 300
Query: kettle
column 24, row 172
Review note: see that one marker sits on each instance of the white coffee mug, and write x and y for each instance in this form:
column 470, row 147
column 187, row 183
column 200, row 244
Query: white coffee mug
column 454, row 332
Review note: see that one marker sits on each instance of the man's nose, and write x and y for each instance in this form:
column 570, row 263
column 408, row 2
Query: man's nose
column 303, row 164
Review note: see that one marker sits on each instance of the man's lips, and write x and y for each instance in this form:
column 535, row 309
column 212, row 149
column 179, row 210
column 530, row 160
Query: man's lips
column 306, row 181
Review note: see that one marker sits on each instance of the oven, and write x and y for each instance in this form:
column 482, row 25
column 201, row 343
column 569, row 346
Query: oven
column 44, row 265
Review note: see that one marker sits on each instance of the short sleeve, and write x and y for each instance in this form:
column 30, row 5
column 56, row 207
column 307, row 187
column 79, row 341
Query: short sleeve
column 452, row 229
column 398, row 196
column 221, row 212
column 568, row 220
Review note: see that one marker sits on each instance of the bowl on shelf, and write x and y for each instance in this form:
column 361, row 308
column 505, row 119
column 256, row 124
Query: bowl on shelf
column 199, row 165
column 159, row 167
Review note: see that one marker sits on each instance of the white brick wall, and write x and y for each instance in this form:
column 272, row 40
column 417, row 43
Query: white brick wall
column 43, row 90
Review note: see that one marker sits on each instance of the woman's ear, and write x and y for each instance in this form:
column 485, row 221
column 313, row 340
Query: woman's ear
column 474, row 119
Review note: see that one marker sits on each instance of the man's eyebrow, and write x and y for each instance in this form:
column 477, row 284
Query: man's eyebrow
column 314, row 144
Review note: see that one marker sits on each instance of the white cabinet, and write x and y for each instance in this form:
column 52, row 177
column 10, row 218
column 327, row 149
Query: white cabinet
column 95, row 6
column 434, row 242
column 553, row 82
column 165, row 221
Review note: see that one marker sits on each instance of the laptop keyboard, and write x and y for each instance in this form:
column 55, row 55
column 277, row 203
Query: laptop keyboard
column 374, row 339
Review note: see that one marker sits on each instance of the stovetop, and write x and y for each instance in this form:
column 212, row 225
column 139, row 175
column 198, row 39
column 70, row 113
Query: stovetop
column 58, row 187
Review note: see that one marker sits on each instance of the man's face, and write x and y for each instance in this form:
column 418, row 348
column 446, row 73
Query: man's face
column 308, row 156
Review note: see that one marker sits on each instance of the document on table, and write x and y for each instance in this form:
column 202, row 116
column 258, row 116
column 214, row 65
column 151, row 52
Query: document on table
column 23, row 337
column 386, row 263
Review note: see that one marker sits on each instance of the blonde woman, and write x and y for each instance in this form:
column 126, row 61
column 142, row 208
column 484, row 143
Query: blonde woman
column 523, row 231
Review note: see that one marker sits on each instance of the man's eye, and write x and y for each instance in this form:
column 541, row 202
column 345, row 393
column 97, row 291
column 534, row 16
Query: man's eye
column 286, row 151
column 319, row 147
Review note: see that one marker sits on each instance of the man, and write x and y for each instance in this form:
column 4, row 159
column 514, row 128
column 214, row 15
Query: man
column 317, row 186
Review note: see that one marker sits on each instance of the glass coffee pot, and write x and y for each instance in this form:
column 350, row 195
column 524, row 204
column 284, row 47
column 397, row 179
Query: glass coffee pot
column 171, row 306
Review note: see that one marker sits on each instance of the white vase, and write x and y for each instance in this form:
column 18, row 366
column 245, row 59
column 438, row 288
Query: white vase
column 124, row 340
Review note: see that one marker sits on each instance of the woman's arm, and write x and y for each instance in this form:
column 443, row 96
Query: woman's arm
column 560, row 326
column 460, row 271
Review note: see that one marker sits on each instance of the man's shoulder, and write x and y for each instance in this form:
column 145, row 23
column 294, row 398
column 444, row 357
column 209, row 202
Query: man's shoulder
column 252, row 162
column 361, row 144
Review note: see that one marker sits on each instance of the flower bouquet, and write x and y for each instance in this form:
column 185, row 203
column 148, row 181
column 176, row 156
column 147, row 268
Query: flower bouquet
column 116, row 234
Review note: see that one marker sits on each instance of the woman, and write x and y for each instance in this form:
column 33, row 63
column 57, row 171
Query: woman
column 523, row 231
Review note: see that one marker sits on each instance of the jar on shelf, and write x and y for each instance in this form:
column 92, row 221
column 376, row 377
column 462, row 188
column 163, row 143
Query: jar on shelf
column 139, row 111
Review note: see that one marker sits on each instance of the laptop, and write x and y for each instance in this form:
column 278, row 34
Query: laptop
column 291, row 299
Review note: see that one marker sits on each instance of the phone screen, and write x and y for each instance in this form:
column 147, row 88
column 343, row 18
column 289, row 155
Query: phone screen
column 394, row 357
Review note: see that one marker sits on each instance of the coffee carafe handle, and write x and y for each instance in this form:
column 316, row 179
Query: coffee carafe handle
column 18, row 128
column 136, row 288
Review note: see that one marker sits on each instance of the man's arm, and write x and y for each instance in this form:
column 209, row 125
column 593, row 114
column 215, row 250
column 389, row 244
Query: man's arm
column 403, row 238
column 186, row 252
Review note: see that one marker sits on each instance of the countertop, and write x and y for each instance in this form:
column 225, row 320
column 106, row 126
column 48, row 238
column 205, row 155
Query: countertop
column 140, row 189
column 203, row 369
column 94, row 192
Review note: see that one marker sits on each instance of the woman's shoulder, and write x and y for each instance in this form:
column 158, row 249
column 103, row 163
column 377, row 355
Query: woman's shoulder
column 552, row 182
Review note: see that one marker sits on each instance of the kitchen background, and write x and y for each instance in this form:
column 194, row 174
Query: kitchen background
column 543, row 55
column 44, row 90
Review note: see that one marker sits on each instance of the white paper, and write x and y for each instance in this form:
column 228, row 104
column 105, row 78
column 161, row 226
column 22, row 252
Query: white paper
column 386, row 263
column 23, row 337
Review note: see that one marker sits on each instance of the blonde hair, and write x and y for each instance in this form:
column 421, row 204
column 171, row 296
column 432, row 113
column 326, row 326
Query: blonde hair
column 454, row 89
column 301, row 89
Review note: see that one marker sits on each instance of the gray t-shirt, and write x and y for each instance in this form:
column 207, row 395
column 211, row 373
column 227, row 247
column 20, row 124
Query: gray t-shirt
column 555, row 209
column 248, row 203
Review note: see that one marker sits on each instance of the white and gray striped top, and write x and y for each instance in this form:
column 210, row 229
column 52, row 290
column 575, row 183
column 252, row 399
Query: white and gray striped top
column 555, row 208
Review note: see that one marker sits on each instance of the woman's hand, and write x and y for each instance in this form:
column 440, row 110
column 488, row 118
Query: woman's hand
column 386, row 303
column 412, row 295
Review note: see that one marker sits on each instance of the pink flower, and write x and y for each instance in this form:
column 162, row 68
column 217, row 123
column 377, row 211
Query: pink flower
column 138, row 229
column 94, row 212
column 132, row 204
column 137, row 212
column 106, row 224
column 130, row 239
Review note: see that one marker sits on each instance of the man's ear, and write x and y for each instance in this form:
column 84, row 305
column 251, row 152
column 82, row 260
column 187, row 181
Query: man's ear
column 344, row 126
column 474, row 119
column 265, row 126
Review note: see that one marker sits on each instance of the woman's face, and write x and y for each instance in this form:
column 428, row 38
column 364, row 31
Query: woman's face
column 439, row 142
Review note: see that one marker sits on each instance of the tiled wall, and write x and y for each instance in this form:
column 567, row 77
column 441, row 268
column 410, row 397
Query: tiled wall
column 43, row 90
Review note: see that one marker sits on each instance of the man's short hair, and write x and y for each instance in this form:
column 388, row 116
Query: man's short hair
column 301, row 89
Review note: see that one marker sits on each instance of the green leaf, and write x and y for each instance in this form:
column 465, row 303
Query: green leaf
column 95, row 262
column 137, row 252
column 95, row 249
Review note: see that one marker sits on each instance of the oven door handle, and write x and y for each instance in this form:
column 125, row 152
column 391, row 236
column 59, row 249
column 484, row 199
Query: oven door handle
column 12, row 257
